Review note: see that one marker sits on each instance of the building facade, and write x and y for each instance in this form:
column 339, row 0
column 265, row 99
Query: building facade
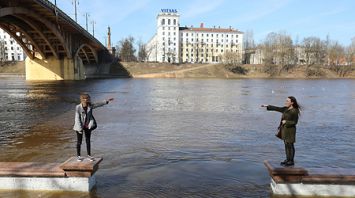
column 10, row 50
column 176, row 44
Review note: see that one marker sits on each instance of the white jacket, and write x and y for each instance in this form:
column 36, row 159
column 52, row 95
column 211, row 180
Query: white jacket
column 80, row 115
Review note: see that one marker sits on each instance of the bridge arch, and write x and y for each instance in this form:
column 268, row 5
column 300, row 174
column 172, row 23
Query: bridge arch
column 17, row 16
column 87, row 54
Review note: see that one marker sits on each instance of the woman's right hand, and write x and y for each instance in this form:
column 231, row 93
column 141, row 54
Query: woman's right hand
column 264, row 105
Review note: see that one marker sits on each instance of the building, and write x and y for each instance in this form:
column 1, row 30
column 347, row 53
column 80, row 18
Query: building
column 10, row 50
column 176, row 44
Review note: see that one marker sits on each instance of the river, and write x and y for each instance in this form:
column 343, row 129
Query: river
column 177, row 137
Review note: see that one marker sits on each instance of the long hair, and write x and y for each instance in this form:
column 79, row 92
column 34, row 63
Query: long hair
column 295, row 104
column 85, row 96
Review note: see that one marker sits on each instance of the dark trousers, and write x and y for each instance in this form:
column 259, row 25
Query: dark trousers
column 80, row 139
column 290, row 151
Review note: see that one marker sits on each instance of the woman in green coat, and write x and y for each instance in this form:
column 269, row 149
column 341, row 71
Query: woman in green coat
column 290, row 113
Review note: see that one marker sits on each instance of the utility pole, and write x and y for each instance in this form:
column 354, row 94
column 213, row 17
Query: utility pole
column 76, row 2
column 86, row 15
column 93, row 28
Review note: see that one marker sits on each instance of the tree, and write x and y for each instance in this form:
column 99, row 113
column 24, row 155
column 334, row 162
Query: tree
column 2, row 51
column 314, row 49
column 126, row 50
column 231, row 58
column 142, row 51
column 249, row 45
column 278, row 50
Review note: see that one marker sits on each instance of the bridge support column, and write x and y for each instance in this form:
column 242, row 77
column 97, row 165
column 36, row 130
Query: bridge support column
column 54, row 69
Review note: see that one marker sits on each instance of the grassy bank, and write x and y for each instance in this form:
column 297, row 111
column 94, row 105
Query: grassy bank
column 13, row 67
column 164, row 70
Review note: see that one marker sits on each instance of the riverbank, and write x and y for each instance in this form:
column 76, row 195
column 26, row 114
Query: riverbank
column 11, row 68
column 164, row 70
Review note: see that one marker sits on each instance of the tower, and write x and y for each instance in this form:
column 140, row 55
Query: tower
column 167, row 42
column 109, row 39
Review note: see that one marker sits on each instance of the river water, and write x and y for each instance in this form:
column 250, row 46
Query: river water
column 177, row 137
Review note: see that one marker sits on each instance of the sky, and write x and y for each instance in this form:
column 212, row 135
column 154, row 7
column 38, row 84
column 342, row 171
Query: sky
column 298, row 18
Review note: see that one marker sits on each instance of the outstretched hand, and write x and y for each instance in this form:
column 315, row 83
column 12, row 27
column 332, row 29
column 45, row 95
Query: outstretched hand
column 264, row 105
column 109, row 100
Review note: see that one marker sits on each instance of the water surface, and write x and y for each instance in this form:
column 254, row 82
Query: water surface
column 177, row 137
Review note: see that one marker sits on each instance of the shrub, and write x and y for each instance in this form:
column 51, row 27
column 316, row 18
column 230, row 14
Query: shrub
column 237, row 69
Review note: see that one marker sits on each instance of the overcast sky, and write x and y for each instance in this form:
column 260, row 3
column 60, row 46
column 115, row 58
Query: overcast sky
column 299, row 18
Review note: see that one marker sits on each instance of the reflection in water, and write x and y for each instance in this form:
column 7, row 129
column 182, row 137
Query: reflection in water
column 173, row 137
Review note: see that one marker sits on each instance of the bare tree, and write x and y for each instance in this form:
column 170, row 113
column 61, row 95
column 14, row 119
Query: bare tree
column 314, row 50
column 2, row 51
column 142, row 51
column 249, row 45
column 231, row 58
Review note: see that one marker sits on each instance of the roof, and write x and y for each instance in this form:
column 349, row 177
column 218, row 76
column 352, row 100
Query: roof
column 217, row 30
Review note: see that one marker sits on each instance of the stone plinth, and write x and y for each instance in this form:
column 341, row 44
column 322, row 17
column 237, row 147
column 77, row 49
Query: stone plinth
column 311, row 182
column 68, row 176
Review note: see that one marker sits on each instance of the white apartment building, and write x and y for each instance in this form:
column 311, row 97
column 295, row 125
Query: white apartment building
column 176, row 44
column 10, row 50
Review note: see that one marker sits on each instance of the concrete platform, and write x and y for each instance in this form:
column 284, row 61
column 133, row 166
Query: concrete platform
column 311, row 182
column 68, row 176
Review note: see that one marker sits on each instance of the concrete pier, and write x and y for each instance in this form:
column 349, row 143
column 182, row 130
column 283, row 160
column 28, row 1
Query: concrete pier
column 328, row 182
column 68, row 176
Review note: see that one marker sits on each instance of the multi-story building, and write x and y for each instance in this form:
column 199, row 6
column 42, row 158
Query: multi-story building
column 176, row 44
column 164, row 46
column 10, row 50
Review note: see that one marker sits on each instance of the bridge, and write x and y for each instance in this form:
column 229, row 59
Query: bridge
column 57, row 48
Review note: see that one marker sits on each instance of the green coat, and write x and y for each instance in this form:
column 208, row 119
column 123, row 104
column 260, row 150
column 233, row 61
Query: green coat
column 288, row 130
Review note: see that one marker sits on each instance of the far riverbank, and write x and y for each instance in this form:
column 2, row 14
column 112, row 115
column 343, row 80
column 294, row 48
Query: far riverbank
column 165, row 70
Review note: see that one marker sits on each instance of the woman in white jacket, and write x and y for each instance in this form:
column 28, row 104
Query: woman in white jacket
column 85, row 122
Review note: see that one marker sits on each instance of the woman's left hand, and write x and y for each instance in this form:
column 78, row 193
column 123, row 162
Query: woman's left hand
column 283, row 121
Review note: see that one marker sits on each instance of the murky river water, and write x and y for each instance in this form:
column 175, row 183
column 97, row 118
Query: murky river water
column 178, row 137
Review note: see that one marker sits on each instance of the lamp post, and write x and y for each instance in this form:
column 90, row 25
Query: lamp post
column 93, row 28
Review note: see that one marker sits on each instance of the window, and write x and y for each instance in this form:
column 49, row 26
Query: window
column 168, row 28
column 168, row 21
column 163, row 28
column 163, row 21
column 174, row 21
column 207, row 35
column 187, row 34
column 163, row 33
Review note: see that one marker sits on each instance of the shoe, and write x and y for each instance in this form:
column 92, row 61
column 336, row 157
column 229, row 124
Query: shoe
column 90, row 158
column 283, row 163
column 79, row 159
column 289, row 163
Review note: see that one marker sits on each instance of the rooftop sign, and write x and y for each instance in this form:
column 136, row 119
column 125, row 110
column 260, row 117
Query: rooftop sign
column 169, row 10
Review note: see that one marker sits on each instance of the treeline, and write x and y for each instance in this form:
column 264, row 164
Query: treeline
column 279, row 53
column 126, row 50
